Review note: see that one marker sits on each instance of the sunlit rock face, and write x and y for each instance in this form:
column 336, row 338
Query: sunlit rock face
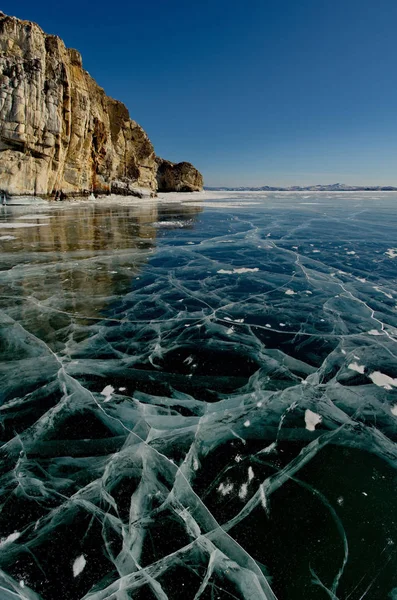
column 59, row 130
column 178, row 177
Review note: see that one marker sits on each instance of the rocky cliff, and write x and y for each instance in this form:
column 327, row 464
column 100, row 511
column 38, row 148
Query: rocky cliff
column 179, row 177
column 58, row 128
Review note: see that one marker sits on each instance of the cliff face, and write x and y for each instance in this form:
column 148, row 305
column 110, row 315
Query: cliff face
column 179, row 177
column 58, row 129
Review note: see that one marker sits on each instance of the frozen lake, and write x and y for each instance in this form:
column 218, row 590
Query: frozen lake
column 199, row 398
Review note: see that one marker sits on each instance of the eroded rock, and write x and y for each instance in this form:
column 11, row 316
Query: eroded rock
column 58, row 128
column 178, row 177
column 60, row 131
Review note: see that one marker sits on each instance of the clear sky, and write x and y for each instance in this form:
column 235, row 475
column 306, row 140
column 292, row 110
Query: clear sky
column 252, row 92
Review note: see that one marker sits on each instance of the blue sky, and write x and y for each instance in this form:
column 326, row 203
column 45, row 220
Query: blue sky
column 251, row 92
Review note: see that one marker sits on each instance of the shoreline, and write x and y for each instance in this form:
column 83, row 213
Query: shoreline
column 181, row 197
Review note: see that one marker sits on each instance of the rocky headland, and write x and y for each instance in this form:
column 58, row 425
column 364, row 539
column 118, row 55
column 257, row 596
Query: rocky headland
column 179, row 177
column 60, row 131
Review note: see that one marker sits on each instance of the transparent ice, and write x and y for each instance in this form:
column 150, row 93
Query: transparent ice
column 199, row 399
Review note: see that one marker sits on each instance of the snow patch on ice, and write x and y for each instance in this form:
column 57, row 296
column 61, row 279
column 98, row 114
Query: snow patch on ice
column 356, row 367
column 107, row 392
column 263, row 498
column 225, row 488
column 237, row 271
column 312, row 419
column 177, row 224
column 79, row 565
column 243, row 491
column 383, row 380
column 391, row 252
column 209, row 204
column 377, row 288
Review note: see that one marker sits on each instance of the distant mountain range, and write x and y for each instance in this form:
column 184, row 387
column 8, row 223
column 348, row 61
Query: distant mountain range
column 333, row 187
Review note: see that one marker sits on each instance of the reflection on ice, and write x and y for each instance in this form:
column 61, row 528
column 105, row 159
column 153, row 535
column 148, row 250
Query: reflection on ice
column 204, row 410
column 18, row 225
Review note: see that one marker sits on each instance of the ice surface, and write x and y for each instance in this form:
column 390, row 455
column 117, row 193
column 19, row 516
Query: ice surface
column 193, row 404
column 27, row 201
column 34, row 216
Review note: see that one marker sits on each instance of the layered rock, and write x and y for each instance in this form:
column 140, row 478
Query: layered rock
column 178, row 177
column 58, row 128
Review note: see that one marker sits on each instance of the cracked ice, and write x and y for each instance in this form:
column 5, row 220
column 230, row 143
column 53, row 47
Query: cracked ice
column 195, row 403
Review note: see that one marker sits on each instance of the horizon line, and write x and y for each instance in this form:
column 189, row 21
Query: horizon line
column 347, row 185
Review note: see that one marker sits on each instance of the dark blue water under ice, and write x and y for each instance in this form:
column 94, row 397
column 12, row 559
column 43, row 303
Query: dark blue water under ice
column 199, row 399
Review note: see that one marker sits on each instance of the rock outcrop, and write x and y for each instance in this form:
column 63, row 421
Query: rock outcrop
column 178, row 177
column 58, row 128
